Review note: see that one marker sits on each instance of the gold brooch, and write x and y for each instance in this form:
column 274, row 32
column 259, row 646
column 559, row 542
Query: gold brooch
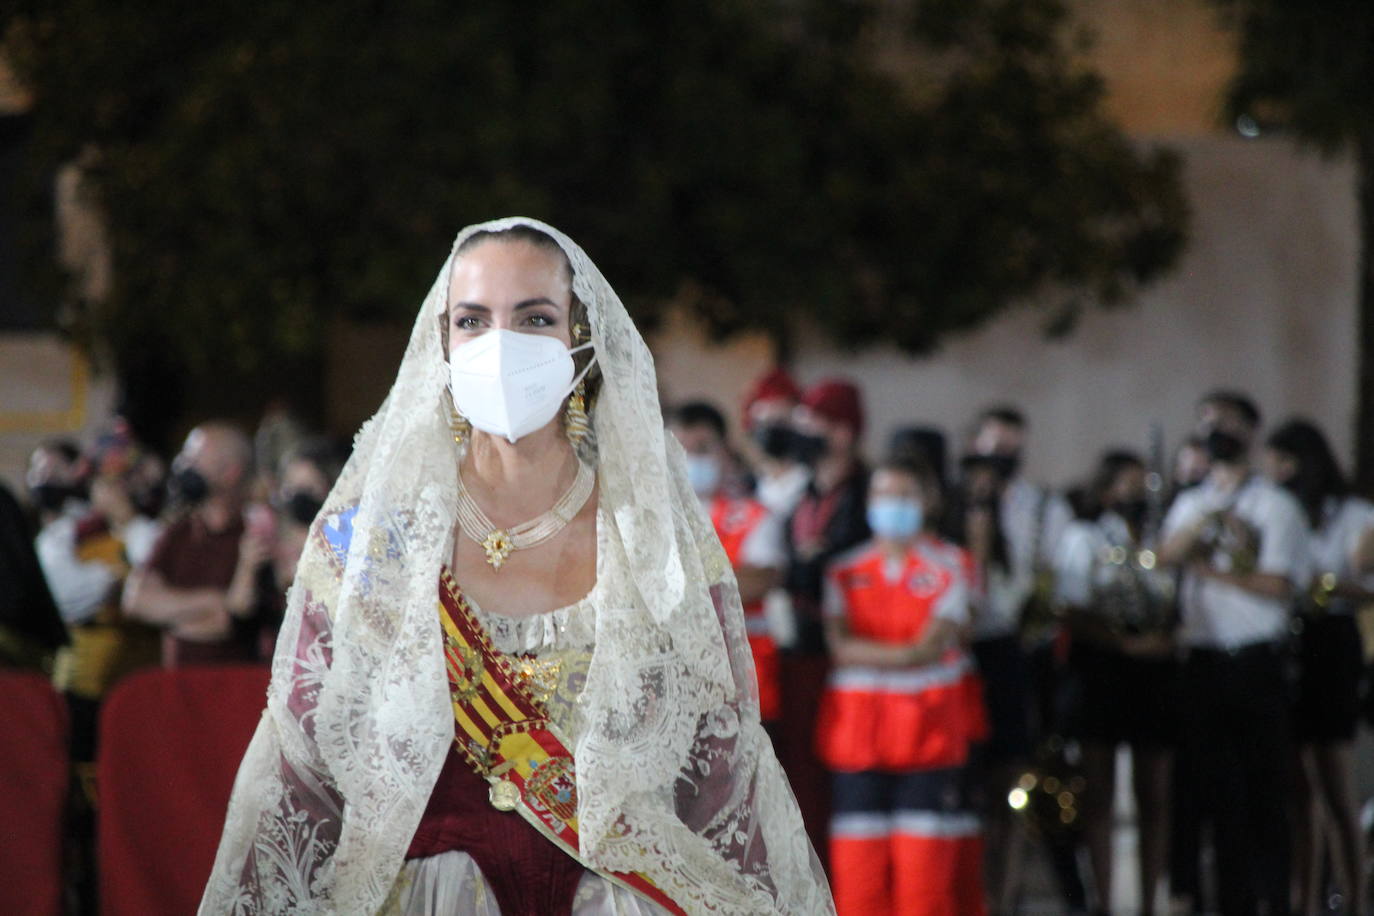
column 498, row 546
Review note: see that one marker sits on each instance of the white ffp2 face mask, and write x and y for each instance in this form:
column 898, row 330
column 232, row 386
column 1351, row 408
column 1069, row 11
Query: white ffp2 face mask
column 510, row 384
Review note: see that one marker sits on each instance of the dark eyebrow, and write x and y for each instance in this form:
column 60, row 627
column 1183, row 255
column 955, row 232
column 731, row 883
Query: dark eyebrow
column 526, row 304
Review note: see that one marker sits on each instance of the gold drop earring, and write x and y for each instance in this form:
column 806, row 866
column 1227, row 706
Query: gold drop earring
column 575, row 420
column 457, row 423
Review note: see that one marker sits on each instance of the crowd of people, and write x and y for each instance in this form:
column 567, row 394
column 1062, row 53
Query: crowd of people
column 949, row 656
column 134, row 561
column 954, row 656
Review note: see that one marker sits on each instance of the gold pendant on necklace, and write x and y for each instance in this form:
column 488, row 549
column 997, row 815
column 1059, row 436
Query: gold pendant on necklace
column 498, row 545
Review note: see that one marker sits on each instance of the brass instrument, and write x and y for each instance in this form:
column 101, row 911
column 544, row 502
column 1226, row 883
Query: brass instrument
column 1132, row 592
column 1129, row 589
column 1236, row 540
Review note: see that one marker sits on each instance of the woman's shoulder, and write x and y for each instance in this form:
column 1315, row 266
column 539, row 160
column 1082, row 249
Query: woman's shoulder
column 326, row 554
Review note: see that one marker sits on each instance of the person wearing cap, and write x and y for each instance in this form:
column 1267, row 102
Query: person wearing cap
column 780, row 477
column 828, row 521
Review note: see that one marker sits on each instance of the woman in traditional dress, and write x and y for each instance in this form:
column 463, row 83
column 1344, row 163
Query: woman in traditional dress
column 513, row 675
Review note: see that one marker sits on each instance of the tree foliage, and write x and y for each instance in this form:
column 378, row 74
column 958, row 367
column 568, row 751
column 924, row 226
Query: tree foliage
column 267, row 166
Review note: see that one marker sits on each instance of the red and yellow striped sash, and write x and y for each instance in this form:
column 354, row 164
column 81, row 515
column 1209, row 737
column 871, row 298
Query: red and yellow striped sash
column 503, row 732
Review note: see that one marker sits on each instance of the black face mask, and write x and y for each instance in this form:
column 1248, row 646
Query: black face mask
column 807, row 448
column 50, row 497
column 1224, row 447
column 1005, row 466
column 190, row 487
column 1132, row 510
column 302, row 507
column 775, row 440
column 148, row 501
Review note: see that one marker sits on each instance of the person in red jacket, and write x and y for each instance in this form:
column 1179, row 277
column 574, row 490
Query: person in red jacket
column 750, row 534
column 900, row 711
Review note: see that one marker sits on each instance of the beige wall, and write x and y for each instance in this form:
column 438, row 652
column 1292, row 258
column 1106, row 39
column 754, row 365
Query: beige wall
column 1165, row 62
column 46, row 390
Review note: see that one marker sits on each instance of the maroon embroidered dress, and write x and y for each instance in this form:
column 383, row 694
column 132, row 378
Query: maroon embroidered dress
column 468, row 858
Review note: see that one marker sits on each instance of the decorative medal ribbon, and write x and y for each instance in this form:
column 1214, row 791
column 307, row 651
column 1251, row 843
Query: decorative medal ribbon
column 505, row 735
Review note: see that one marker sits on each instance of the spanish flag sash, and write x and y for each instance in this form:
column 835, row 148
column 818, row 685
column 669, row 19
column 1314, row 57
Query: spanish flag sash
column 503, row 732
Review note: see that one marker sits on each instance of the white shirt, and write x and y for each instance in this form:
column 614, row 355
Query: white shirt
column 1344, row 523
column 79, row 587
column 780, row 493
column 764, row 547
column 1218, row 615
column 1076, row 559
column 1032, row 521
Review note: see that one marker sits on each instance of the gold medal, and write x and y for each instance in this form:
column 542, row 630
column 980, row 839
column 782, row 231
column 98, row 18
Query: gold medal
column 504, row 795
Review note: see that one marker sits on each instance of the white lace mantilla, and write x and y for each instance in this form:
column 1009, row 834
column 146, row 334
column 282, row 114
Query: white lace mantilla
column 676, row 779
column 571, row 627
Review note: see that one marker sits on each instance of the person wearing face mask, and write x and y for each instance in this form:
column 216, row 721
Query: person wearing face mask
column 827, row 521
column 1119, row 612
column 54, row 481
column 273, row 539
column 513, row 675
column 1298, row 457
column 901, row 710
column 750, row 534
column 780, row 477
column 1011, row 528
column 1241, row 542
column 183, row 586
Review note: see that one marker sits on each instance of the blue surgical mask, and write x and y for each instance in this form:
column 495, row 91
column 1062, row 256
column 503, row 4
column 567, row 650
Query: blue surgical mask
column 703, row 473
column 896, row 519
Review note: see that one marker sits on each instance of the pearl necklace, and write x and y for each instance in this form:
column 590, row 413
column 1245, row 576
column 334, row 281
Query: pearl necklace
column 499, row 542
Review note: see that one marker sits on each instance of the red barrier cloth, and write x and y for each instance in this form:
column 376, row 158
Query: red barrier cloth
column 170, row 746
column 34, row 775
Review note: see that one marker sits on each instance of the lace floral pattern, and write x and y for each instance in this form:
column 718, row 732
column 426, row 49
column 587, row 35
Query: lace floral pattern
column 676, row 778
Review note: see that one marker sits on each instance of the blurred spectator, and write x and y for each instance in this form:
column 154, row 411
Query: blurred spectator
column 278, row 434
column 1241, row 542
column 54, row 481
column 900, row 711
column 272, row 544
column 750, row 534
column 1330, row 662
column 780, row 471
column 829, row 519
column 1011, row 528
column 927, row 445
column 184, row 586
column 31, row 630
column 86, row 561
column 1120, row 614
column 1191, row 464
